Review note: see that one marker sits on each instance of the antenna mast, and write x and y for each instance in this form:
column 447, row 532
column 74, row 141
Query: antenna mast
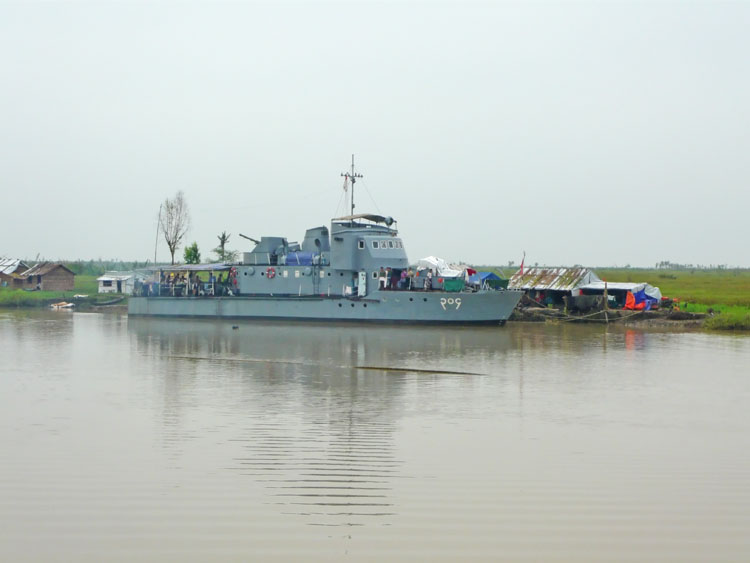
column 353, row 177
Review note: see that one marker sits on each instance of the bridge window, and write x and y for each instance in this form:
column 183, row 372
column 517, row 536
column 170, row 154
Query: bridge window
column 375, row 244
column 361, row 244
column 391, row 245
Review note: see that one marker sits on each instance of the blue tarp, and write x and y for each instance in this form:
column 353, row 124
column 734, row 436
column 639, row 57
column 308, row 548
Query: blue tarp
column 480, row 277
column 299, row 258
column 640, row 297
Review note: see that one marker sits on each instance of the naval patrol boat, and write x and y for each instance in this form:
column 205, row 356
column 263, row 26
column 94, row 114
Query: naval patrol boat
column 351, row 271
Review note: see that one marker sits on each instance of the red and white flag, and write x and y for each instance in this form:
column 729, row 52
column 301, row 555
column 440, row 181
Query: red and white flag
column 522, row 260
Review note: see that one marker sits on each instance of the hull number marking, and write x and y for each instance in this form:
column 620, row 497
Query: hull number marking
column 450, row 303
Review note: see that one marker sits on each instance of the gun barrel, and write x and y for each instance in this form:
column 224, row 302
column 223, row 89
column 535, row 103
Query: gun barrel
column 249, row 238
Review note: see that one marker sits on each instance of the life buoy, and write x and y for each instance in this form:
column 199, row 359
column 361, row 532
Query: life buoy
column 270, row 273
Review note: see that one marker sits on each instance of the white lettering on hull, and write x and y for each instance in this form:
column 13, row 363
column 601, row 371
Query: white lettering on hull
column 450, row 303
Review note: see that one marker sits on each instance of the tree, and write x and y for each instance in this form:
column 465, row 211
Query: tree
column 192, row 254
column 174, row 221
column 222, row 254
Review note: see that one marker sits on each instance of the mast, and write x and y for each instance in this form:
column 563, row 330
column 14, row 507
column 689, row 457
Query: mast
column 353, row 177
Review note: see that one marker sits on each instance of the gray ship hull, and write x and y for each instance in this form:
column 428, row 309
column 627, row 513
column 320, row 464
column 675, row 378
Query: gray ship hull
column 483, row 307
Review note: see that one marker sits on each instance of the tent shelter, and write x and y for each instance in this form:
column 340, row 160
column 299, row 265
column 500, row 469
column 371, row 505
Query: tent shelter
column 489, row 279
column 550, row 286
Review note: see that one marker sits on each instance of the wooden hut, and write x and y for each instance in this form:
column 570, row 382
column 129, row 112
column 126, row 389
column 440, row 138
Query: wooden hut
column 47, row 276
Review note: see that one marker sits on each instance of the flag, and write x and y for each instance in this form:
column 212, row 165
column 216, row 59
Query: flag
column 346, row 182
column 522, row 260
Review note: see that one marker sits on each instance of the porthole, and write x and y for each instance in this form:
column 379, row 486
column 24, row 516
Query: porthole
column 245, row 273
column 411, row 299
column 365, row 305
column 424, row 299
column 352, row 304
column 339, row 304
column 329, row 273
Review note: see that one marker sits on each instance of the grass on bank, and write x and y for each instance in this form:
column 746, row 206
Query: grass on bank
column 723, row 293
column 713, row 288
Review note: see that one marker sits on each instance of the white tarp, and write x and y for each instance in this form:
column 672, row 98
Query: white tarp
column 440, row 266
column 651, row 291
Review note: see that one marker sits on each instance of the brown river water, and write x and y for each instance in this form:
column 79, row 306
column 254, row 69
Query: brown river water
column 171, row 440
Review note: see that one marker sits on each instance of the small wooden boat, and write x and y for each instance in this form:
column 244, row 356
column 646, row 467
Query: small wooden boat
column 106, row 303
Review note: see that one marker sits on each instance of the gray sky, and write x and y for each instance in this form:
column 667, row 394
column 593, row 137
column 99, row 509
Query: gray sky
column 583, row 133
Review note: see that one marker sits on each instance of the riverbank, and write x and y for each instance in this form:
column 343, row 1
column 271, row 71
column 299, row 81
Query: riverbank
column 707, row 299
column 20, row 299
column 715, row 299
column 655, row 318
column 84, row 296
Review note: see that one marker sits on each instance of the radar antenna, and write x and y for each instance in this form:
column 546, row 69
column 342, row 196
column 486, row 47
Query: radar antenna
column 352, row 176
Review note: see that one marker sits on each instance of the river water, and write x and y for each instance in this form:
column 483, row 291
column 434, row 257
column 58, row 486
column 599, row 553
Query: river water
column 171, row 440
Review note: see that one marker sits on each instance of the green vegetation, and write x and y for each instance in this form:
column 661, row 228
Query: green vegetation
column 86, row 285
column 192, row 254
column 221, row 251
column 713, row 288
column 729, row 321
column 96, row 268
column 722, row 292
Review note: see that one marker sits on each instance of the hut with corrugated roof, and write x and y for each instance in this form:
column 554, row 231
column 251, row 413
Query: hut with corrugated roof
column 548, row 286
column 581, row 288
column 9, row 269
column 47, row 276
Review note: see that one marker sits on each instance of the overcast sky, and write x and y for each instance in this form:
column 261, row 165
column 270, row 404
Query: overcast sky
column 594, row 133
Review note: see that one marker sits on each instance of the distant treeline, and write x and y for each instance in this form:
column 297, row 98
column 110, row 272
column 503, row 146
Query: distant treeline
column 98, row 267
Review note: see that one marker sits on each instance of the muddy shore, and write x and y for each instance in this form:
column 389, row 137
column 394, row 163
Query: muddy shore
column 660, row 318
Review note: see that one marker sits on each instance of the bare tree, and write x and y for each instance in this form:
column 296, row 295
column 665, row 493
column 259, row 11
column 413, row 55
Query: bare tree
column 174, row 221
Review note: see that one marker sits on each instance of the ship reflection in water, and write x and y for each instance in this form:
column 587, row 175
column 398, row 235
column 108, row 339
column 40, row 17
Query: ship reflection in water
column 322, row 401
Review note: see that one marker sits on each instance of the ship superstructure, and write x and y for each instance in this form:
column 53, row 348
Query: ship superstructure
column 356, row 270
